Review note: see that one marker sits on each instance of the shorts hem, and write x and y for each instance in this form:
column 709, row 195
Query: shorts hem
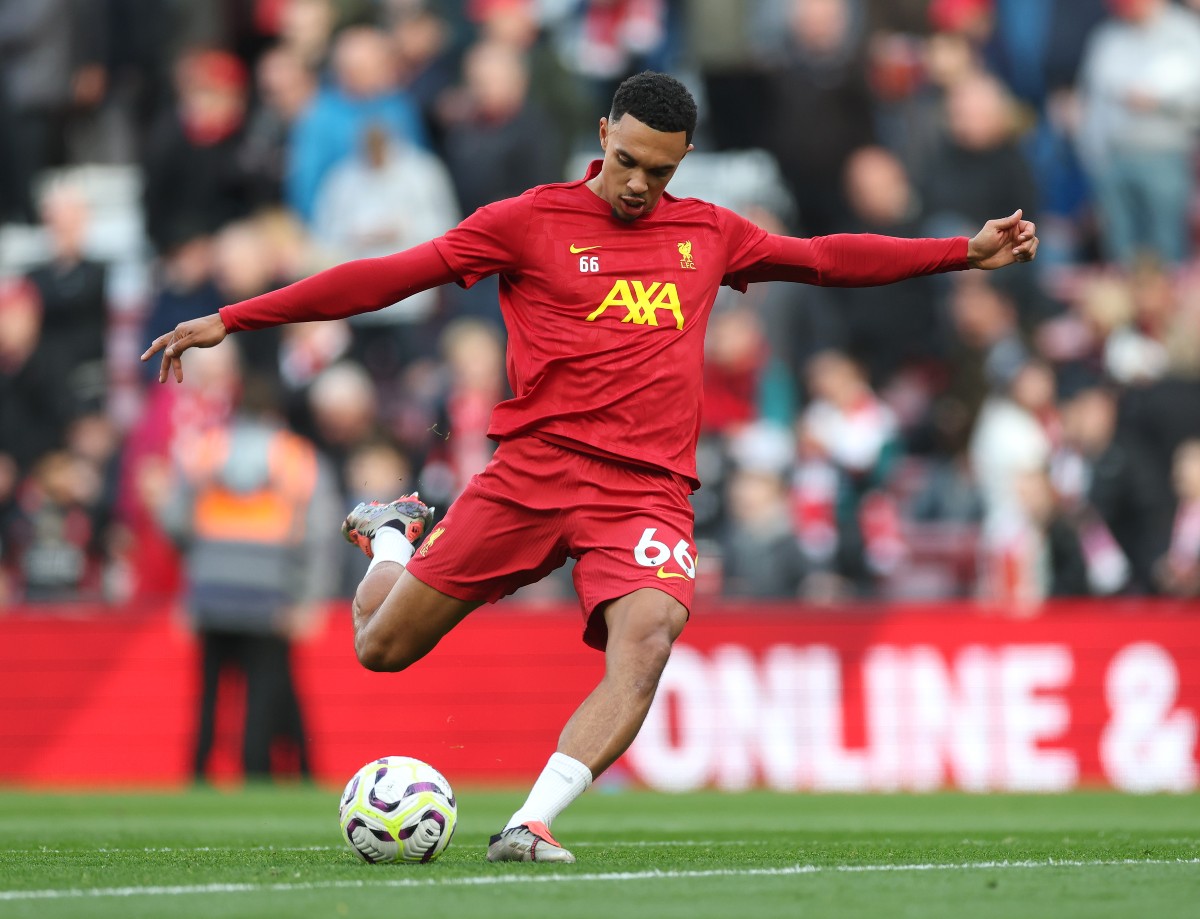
column 452, row 589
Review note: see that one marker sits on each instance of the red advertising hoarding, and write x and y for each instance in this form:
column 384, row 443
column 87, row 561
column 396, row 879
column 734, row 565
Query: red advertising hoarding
column 782, row 697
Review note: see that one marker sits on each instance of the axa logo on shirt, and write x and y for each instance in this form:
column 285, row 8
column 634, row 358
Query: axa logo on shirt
column 642, row 301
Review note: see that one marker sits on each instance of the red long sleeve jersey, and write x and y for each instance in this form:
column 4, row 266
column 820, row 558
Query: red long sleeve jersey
column 606, row 318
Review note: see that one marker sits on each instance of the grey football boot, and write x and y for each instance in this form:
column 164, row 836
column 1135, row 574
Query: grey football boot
column 530, row 842
column 408, row 514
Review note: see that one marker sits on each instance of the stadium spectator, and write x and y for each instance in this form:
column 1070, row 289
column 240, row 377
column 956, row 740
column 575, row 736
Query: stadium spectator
column 1105, row 476
column 1140, row 89
column 286, row 87
column 562, row 94
column 743, row 381
column 816, row 53
column 389, row 196
column 243, row 266
column 604, row 41
column 987, row 352
column 1178, row 571
column 252, row 589
column 428, row 53
column 74, row 300
column 1036, row 48
column 473, row 351
column 343, row 407
column 978, row 163
column 1156, row 338
column 1036, row 552
column 167, row 430
column 195, row 179
column 34, row 405
column 1014, row 435
column 53, row 546
column 365, row 91
column 306, row 29
column 848, row 445
column 488, row 126
column 486, row 133
column 885, row 329
column 50, row 67
column 759, row 554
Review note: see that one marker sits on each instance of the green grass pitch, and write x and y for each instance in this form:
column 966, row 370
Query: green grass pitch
column 276, row 852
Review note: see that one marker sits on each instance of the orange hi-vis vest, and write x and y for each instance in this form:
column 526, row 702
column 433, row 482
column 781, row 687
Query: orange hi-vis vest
column 274, row 513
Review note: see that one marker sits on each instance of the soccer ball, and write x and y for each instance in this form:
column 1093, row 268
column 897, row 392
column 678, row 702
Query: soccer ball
column 398, row 809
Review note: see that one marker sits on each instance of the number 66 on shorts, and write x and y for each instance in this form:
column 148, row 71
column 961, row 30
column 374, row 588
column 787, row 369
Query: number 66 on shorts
column 651, row 553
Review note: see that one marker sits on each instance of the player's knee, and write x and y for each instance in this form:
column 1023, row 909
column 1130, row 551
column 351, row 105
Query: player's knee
column 383, row 654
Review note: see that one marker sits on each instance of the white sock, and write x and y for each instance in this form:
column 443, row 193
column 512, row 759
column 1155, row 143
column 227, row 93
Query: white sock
column 389, row 545
column 562, row 781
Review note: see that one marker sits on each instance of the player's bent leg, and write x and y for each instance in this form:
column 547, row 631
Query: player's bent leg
column 398, row 619
column 406, row 624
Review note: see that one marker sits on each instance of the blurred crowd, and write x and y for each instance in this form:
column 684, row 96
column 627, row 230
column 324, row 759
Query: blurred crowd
column 1029, row 434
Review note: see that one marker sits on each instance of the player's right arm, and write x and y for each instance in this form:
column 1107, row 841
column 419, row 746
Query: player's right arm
column 346, row 290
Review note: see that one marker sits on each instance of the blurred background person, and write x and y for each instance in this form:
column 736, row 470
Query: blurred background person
column 897, row 327
column 169, row 428
column 285, row 86
column 1140, row 90
column 472, row 384
column 196, row 180
column 53, row 546
column 1036, row 553
column 489, row 127
column 1106, row 475
column 815, row 51
column 497, row 143
column 73, row 292
column 1177, row 572
column 50, row 69
column 364, row 90
column 34, row 406
column 978, row 163
column 374, row 467
column 848, row 444
column 1015, row 434
column 760, row 556
column 254, row 510
column 389, row 196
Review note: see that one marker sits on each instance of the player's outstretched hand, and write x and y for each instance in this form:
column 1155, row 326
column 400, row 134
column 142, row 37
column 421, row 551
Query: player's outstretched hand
column 1002, row 242
column 195, row 333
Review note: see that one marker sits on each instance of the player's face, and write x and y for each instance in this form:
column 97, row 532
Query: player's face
column 638, row 163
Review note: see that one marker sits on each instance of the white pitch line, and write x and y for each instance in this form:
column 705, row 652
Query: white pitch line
column 637, row 844
column 567, row 877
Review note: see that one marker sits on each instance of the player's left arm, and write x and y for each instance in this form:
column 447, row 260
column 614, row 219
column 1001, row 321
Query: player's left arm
column 867, row 259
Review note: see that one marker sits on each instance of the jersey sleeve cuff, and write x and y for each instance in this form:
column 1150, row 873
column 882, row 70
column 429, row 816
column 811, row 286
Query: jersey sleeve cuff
column 228, row 319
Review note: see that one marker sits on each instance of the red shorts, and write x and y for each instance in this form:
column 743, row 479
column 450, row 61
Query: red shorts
column 538, row 504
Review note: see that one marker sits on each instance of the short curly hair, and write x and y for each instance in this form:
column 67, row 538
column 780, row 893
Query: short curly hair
column 658, row 101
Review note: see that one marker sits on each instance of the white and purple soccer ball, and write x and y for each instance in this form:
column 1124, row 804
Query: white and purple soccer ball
column 398, row 809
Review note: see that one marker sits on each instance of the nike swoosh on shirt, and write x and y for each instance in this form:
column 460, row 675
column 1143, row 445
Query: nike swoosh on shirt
column 670, row 574
column 575, row 250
